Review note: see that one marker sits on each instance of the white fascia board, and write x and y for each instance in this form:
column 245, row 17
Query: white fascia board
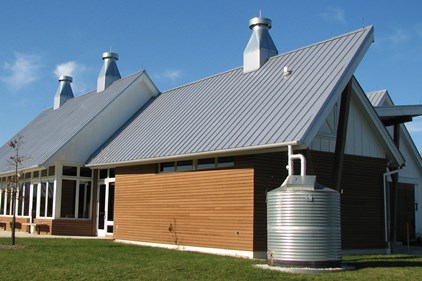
column 338, row 89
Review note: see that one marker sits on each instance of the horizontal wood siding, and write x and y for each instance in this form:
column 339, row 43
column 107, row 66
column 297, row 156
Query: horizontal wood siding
column 212, row 208
column 362, row 203
column 72, row 227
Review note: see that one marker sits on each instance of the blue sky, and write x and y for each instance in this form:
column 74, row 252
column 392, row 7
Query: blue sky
column 183, row 41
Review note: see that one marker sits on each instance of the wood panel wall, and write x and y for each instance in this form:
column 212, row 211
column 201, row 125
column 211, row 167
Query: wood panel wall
column 362, row 198
column 72, row 227
column 212, row 208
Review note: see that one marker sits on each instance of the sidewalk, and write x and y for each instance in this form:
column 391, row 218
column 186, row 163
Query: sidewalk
column 23, row 234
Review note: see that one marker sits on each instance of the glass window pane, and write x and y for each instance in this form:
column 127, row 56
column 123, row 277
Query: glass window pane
column 112, row 173
column 85, row 172
column 20, row 199
column 207, row 163
column 50, row 199
column 43, row 198
column 84, row 200
column 110, row 215
column 51, row 171
column 2, row 200
column 68, row 199
column 36, row 174
column 26, row 199
column 8, row 205
column 167, row 167
column 225, row 162
column 103, row 173
column 34, row 200
column 70, row 171
column 43, row 173
column 184, row 165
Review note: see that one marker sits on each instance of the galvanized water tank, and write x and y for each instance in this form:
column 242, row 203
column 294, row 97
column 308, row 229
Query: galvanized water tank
column 303, row 223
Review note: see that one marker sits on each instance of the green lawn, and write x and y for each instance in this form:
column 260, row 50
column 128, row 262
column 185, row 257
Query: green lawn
column 68, row 259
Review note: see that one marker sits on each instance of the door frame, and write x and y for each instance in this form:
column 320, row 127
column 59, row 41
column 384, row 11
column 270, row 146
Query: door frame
column 106, row 183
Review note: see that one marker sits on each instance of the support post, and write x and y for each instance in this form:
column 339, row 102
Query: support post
column 341, row 135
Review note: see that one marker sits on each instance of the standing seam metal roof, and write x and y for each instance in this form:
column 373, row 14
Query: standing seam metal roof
column 52, row 129
column 237, row 110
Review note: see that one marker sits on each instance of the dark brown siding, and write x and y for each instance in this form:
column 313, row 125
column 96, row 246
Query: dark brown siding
column 212, row 208
column 405, row 212
column 270, row 172
column 72, row 227
column 362, row 203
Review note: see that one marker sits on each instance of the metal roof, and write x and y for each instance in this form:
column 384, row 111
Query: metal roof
column 52, row 129
column 377, row 98
column 233, row 110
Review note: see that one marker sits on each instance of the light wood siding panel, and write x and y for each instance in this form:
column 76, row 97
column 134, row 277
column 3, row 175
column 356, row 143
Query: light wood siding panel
column 212, row 208
column 362, row 205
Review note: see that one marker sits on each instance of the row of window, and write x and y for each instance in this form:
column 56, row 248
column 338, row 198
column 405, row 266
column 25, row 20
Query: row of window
column 199, row 164
column 31, row 200
column 34, row 175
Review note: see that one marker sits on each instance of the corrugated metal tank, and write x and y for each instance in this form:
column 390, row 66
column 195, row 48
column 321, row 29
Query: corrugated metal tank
column 303, row 222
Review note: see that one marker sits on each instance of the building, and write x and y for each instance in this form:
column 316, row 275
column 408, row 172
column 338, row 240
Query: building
column 189, row 168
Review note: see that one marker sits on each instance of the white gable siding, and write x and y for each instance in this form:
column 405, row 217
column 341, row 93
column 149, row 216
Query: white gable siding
column 325, row 139
column 361, row 140
column 90, row 138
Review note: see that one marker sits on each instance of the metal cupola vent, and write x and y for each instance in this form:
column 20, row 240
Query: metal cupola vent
column 64, row 92
column 260, row 46
column 109, row 72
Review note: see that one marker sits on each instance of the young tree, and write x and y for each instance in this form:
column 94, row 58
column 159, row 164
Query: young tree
column 13, row 181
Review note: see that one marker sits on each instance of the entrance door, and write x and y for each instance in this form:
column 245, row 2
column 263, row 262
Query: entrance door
column 105, row 209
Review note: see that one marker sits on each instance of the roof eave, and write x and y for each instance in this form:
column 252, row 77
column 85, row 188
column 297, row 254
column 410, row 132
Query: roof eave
column 216, row 153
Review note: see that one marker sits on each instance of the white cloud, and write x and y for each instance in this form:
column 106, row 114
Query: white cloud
column 67, row 68
column 22, row 72
column 418, row 29
column 396, row 37
column 172, row 75
column 415, row 126
column 334, row 15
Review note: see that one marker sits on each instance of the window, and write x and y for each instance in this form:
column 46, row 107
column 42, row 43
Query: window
column 84, row 200
column 51, row 171
column 103, row 173
column 223, row 162
column 85, row 172
column 68, row 199
column 26, row 198
column 36, row 174
column 20, row 197
column 2, row 199
column 43, row 173
column 167, row 167
column 112, row 173
column 70, row 171
column 76, row 199
column 207, row 163
column 43, row 198
column 184, row 165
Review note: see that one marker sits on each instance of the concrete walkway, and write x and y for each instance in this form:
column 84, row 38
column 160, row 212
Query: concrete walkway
column 23, row 234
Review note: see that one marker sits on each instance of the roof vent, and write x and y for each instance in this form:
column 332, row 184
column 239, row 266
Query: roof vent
column 286, row 71
column 109, row 72
column 64, row 92
column 260, row 46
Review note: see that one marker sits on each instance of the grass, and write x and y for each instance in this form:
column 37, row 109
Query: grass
column 68, row 259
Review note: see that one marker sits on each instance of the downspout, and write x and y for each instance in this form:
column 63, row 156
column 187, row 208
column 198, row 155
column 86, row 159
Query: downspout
column 291, row 157
column 387, row 219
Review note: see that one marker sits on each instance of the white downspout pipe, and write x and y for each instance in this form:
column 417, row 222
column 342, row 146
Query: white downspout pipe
column 291, row 157
column 386, row 224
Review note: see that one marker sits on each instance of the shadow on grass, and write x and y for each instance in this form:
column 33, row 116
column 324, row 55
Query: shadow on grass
column 385, row 261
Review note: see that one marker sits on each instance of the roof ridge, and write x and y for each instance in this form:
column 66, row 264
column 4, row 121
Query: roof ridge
column 271, row 58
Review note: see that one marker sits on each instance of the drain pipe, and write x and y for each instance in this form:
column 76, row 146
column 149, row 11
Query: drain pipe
column 386, row 222
column 292, row 157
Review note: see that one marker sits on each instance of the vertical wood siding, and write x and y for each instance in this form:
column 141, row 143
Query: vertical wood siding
column 212, row 208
